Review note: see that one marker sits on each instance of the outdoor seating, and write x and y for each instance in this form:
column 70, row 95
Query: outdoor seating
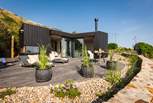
column 27, row 60
column 91, row 56
column 30, row 60
column 100, row 54
column 56, row 58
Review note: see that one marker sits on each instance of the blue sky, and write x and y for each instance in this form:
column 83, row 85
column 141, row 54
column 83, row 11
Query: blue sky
column 126, row 21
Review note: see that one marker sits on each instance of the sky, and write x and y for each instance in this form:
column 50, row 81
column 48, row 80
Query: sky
column 126, row 21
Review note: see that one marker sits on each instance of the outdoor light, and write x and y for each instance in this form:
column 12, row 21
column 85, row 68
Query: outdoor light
column 21, row 30
column 3, row 60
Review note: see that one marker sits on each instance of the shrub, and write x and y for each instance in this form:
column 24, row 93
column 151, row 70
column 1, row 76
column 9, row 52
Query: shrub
column 111, row 53
column 121, row 83
column 85, row 57
column 133, row 59
column 43, row 59
column 66, row 89
column 144, row 49
column 112, row 46
column 136, row 64
column 8, row 91
column 113, row 76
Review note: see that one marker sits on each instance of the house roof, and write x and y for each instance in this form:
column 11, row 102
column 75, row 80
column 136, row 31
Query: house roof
column 66, row 34
column 75, row 35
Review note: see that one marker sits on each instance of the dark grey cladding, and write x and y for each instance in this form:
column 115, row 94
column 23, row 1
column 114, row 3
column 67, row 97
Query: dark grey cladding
column 100, row 40
column 35, row 35
column 32, row 35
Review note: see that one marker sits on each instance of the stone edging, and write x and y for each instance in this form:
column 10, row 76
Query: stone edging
column 136, row 67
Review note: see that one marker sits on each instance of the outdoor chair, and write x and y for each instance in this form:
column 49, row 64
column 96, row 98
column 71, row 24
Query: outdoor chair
column 28, row 60
column 91, row 56
column 31, row 60
column 56, row 58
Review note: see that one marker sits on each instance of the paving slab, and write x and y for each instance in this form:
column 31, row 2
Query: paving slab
column 17, row 76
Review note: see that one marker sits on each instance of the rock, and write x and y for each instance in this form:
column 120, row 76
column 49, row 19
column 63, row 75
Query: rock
column 140, row 101
column 41, row 94
column 151, row 101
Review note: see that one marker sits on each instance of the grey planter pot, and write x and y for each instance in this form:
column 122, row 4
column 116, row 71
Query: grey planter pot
column 87, row 72
column 43, row 75
column 111, row 64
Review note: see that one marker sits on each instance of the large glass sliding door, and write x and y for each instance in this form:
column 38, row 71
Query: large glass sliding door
column 78, row 47
column 71, row 47
column 66, row 47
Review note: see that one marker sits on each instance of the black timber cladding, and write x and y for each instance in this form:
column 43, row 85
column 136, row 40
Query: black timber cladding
column 34, row 35
column 100, row 40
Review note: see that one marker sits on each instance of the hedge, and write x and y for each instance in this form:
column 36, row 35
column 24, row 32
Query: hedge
column 112, row 46
column 144, row 49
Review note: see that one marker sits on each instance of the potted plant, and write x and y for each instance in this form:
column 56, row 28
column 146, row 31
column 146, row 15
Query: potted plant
column 43, row 71
column 111, row 64
column 87, row 69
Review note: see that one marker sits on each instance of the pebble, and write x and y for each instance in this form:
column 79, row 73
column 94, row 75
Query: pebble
column 41, row 94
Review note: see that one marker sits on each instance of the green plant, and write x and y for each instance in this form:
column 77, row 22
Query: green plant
column 10, row 24
column 132, row 59
column 121, row 83
column 43, row 58
column 144, row 49
column 8, row 91
column 111, row 53
column 113, row 76
column 85, row 57
column 112, row 46
column 67, row 89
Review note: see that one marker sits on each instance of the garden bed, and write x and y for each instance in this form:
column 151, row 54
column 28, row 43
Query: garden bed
column 41, row 94
column 120, row 84
column 91, row 90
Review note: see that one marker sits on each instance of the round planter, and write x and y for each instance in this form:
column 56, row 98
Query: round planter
column 87, row 72
column 111, row 64
column 43, row 75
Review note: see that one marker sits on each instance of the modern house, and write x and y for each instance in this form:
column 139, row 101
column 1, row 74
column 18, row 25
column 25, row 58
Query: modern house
column 67, row 44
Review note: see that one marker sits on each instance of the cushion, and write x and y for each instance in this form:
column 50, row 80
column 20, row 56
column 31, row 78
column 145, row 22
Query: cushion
column 32, row 59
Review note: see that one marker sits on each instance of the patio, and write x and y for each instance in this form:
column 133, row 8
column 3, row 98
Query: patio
column 17, row 76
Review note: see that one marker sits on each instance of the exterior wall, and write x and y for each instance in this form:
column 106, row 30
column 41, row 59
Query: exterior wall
column 101, row 41
column 89, row 42
column 34, row 35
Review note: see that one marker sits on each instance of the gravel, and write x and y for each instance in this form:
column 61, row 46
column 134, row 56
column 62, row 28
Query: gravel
column 42, row 94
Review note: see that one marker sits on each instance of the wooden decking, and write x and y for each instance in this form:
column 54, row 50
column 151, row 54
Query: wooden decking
column 17, row 76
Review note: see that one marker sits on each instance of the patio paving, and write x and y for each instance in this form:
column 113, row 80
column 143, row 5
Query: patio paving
column 17, row 76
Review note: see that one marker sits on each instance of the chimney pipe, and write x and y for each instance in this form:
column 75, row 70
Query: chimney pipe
column 96, row 24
